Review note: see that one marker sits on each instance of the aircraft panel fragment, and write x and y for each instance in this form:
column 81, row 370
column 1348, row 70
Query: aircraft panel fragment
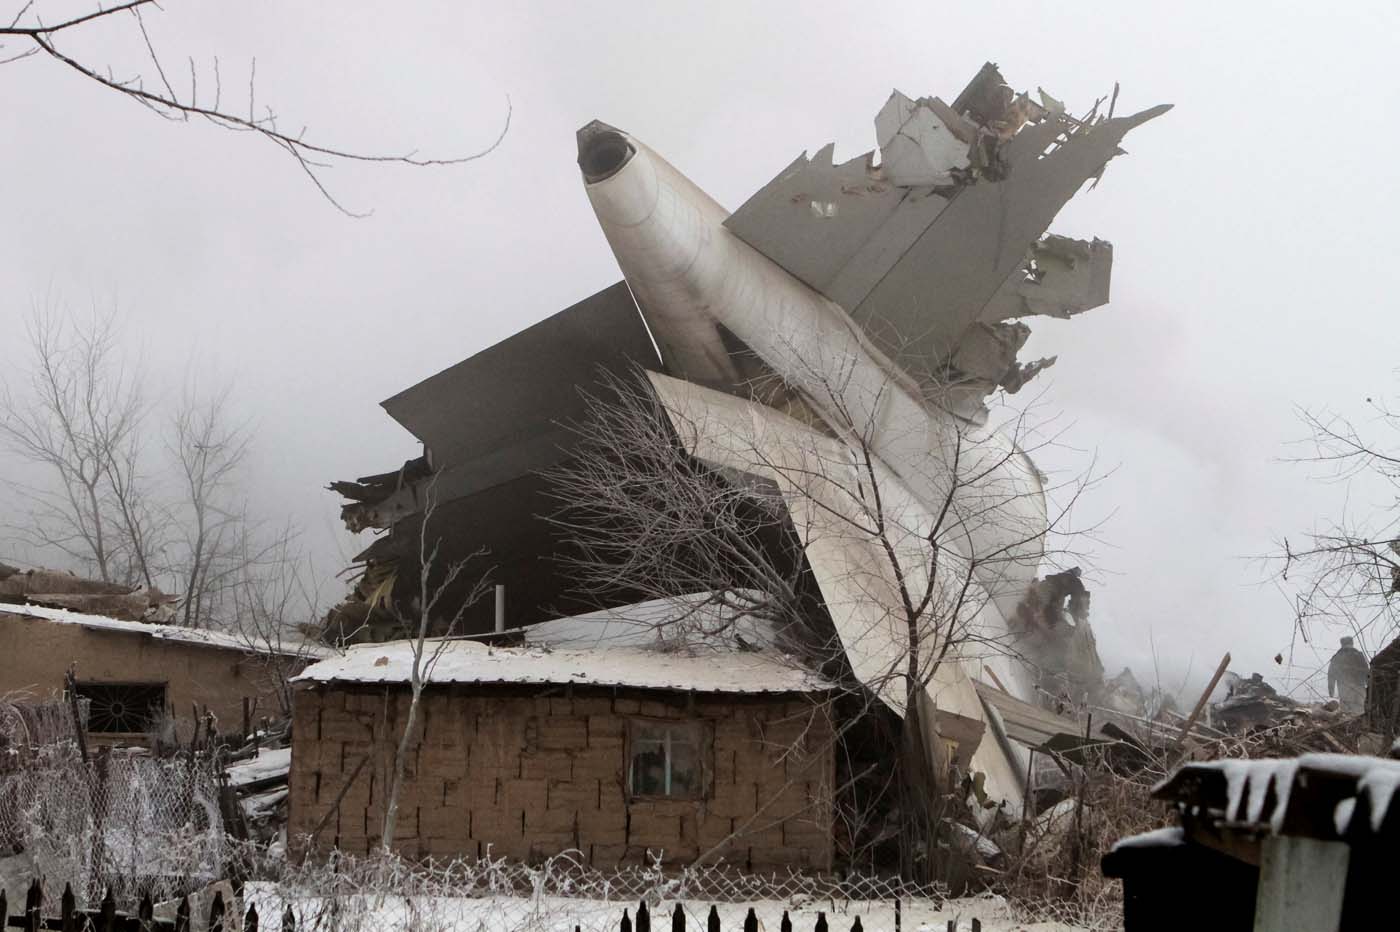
column 952, row 270
column 917, row 148
column 815, row 215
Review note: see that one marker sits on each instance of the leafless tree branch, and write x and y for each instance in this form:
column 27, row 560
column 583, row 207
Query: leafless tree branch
column 310, row 157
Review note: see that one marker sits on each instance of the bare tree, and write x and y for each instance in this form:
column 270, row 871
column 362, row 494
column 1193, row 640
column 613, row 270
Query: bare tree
column 276, row 606
column 436, row 578
column 666, row 498
column 1346, row 571
column 77, row 424
column 208, row 449
column 157, row 90
column 106, row 500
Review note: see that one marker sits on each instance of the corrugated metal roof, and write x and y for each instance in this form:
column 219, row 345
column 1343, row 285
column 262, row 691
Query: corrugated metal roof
column 216, row 639
column 465, row 661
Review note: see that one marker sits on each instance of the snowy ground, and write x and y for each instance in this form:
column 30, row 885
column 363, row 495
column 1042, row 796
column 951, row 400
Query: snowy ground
column 558, row 914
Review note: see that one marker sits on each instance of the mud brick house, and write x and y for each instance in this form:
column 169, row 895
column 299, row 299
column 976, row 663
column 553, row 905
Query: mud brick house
column 527, row 751
column 141, row 678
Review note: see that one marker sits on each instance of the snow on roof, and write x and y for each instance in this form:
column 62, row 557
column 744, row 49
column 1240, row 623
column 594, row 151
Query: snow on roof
column 218, row 639
column 697, row 617
column 465, row 661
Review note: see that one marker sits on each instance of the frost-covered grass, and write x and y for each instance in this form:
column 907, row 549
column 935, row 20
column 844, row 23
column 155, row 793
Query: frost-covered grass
column 510, row 913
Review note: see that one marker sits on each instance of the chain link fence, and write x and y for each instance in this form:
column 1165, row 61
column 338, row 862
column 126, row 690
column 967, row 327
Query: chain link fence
column 126, row 822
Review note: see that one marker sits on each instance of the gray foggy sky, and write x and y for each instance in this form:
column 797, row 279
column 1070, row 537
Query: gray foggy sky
column 1251, row 228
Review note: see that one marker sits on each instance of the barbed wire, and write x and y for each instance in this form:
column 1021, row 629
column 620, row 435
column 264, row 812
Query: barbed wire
column 564, row 891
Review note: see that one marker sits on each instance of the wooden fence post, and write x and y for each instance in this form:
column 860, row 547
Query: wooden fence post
column 100, row 789
column 856, row 926
column 786, row 924
column 750, row 921
column 643, row 917
column 821, row 922
column 712, row 922
column 626, row 922
column 899, row 911
column 678, row 919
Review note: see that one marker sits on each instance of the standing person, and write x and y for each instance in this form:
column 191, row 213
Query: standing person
column 1346, row 677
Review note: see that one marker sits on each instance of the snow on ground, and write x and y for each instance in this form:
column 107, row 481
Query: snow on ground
column 561, row 914
column 266, row 765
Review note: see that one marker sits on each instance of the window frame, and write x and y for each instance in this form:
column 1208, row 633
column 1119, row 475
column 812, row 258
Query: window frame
column 703, row 733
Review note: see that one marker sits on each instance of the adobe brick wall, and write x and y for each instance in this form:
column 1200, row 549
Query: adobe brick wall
column 530, row 775
column 34, row 654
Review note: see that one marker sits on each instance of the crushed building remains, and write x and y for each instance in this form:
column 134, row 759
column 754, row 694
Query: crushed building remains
column 886, row 297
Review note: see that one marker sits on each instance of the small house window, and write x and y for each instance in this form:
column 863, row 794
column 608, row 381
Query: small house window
column 667, row 759
column 122, row 708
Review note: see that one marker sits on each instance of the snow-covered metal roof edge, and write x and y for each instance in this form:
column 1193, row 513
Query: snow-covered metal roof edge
column 1258, row 792
column 463, row 662
column 197, row 637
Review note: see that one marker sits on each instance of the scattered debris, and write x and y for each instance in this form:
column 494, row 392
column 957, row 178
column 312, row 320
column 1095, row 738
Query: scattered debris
column 64, row 590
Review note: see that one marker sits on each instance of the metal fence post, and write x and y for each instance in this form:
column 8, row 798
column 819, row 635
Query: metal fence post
column 33, row 904
column 146, row 912
column 216, row 912
column 67, row 906
column 107, row 913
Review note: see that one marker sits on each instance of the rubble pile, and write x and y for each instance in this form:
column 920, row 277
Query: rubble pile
column 257, row 777
column 53, row 589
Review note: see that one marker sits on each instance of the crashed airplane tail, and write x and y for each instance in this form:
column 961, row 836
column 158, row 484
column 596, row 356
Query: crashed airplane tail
column 886, row 295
